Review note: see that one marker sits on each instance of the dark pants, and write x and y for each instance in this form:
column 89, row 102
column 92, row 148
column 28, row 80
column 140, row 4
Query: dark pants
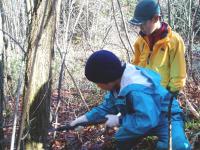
column 127, row 145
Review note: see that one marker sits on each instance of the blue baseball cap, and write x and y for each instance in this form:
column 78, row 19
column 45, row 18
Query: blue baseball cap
column 144, row 11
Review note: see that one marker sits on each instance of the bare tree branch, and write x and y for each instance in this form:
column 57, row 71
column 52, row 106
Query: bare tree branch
column 14, row 40
column 127, row 51
column 191, row 108
column 107, row 32
column 125, row 28
column 169, row 11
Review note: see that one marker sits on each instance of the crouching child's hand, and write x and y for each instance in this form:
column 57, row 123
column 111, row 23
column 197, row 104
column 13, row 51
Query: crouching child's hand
column 78, row 120
column 113, row 120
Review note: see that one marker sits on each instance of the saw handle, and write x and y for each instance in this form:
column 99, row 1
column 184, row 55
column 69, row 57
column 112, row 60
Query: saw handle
column 83, row 124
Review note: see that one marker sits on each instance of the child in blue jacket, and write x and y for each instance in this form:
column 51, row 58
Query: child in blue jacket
column 137, row 95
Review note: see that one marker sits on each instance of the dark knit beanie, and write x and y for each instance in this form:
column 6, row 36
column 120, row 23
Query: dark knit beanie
column 103, row 67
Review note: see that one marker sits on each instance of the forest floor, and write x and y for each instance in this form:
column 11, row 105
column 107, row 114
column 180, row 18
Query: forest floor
column 98, row 137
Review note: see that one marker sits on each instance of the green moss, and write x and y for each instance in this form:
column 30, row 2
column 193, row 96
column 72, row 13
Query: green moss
column 192, row 124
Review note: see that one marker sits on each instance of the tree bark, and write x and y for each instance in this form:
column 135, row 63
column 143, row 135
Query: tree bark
column 37, row 91
column 1, row 100
column 3, row 46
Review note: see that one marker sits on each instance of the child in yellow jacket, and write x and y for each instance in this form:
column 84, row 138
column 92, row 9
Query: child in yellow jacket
column 158, row 47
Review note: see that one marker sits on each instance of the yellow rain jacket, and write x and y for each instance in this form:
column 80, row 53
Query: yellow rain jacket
column 167, row 58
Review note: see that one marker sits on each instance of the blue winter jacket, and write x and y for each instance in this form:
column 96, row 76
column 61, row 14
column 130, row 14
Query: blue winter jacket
column 141, row 100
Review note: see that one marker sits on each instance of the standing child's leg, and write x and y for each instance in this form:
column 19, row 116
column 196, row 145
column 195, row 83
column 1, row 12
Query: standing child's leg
column 179, row 139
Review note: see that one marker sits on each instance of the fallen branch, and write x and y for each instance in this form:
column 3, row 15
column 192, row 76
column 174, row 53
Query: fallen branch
column 190, row 106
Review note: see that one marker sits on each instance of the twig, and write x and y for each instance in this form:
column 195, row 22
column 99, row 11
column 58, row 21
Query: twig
column 195, row 138
column 169, row 12
column 161, row 13
column 16, row 106
column 113, row 9
column 59, row 91
column 78, row 89
column 107, row 32
column 63, row 58
column 194, row 17
column 191, row 108
column 86, row 38
column 192, row 33
column 125, row 28
column 14, row 40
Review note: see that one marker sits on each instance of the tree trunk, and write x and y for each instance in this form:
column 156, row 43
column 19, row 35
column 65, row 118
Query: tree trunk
column 37, row 92
column 1, row 100
column 3, row 46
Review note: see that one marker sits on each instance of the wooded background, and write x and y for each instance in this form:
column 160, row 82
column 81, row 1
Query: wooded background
column 44, row 45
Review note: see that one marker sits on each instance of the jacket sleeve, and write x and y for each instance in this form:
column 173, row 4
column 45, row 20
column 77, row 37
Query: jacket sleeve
column 99, row 112
column 136, row 58
column 145, row 117
column 177, row 66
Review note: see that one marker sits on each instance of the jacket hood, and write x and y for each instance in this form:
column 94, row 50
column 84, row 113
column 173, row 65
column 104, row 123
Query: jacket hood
column 138, row 79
